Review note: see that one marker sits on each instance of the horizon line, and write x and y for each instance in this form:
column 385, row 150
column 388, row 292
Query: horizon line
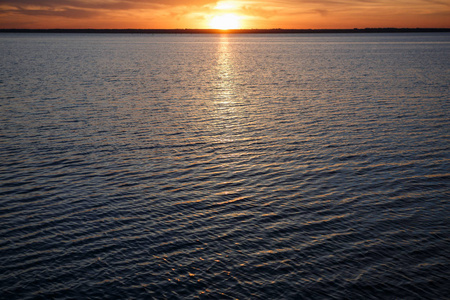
column 215, row 31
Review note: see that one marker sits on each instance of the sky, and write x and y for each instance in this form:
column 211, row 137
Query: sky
column 262, row 14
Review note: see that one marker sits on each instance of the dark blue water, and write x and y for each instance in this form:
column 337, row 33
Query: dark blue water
column 224, row 166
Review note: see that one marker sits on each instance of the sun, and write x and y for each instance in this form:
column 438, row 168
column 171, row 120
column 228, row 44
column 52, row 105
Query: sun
column 227, row 21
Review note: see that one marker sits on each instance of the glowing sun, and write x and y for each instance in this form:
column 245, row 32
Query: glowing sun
column 228, row 21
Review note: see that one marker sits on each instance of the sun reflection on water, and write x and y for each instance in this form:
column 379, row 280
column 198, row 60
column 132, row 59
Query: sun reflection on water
column 228, row 118
column 225, row 74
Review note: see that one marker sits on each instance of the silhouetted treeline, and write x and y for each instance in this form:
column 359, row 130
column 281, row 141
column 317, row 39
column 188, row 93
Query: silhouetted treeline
column 215, row 31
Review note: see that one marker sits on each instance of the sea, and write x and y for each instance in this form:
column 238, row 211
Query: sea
column 225, row 166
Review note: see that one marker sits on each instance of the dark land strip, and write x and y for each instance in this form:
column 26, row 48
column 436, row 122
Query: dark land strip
column 232, row 31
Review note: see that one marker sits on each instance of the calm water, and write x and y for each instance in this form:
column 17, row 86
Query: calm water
column 223, row 167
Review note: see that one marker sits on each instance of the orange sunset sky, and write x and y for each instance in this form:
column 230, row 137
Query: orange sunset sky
column 170, row 14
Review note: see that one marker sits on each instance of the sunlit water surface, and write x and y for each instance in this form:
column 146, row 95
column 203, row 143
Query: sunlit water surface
column 224, row 166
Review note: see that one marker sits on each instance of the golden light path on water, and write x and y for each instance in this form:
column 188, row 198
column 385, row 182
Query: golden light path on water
column 225, row 96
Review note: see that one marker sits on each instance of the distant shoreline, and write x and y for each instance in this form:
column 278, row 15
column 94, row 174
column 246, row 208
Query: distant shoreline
column 230, row 31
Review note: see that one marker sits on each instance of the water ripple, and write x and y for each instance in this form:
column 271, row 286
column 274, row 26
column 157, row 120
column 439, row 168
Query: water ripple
column 224, row 167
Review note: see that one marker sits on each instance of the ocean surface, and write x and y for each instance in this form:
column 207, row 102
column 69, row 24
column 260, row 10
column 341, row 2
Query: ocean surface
column 291, row 166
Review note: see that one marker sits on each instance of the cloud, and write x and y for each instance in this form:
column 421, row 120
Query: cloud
column 257, row 11
column 322, row 12
column 438, row 2
column 104, row 5
column 67, row 13
column 79, row 9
